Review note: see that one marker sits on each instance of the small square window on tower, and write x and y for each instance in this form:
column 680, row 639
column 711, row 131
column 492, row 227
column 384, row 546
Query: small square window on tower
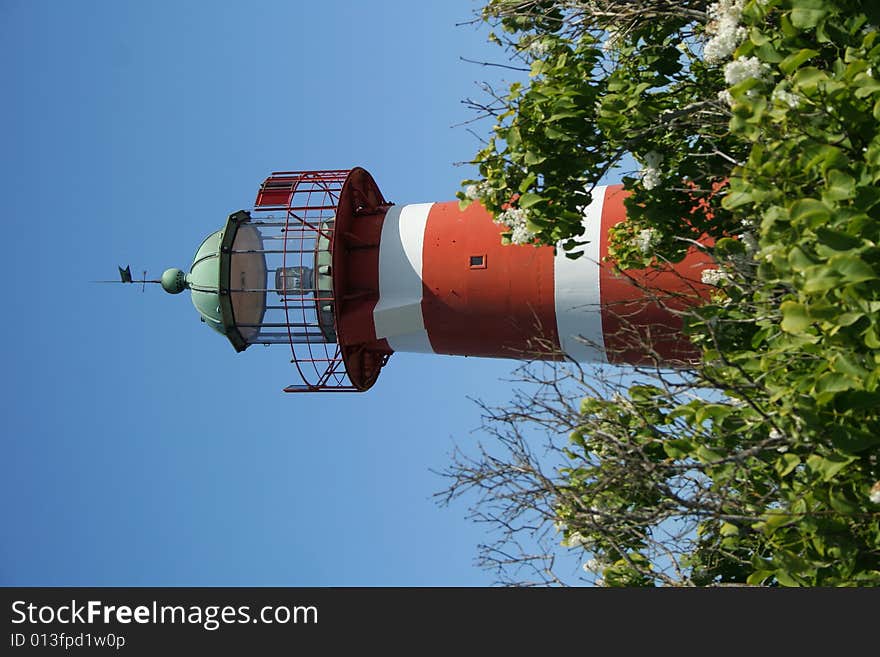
column 478, row 261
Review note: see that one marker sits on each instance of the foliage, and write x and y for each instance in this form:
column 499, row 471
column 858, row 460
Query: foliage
column 764, row 114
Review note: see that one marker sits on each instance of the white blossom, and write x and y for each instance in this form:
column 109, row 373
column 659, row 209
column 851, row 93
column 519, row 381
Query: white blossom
column 593, row 566
column 650, row 178
column 576, row 539
column 725, row 97
column 595, row 516
column 538, row 48
column 743, row 68
column 714, row 276
column 725, row 30
column 521, row 235
column 611, row 40
column 651, row 173
column 875, row 493
column 515, row 220
column 777, row 435
column 511, row 217
column 475, row 192
column 646, row 240
column 749, row 241
column 786, row 98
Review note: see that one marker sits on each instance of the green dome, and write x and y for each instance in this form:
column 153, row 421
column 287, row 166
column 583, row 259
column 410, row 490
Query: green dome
column 234, row 310
column 204, row 281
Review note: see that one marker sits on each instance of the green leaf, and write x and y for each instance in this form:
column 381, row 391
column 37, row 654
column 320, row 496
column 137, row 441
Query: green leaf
column 714, row 412
column 678, row 448
column 736, row 199
column 840, row 503
column 513, row 138
column 727, row 246
column 642, row 393
column 528, row 200
column 759, row 577
column 728, row 529
column 850, row 439
column 836, row 240
column 785, row 578
column 857, row 400
column 809, row 211
column 867, row 86
column 799, row 260
column 687, row 411
column 835, row 382
column 767, row 53
column 527, row 183
column 806, row 18
column 852, row 268
column 828, row 466
column 807, row 79
column 841, row 186
column 793, row 61
column 757, row 37
column 848, row 319
column 786, row 463
column 535, row 225
column 538, row 67
column 569, row 114
column 709, row 456
column 840, row 363
column 820, row 279
column 795, row 318
column 773, row 520
column 867, row 197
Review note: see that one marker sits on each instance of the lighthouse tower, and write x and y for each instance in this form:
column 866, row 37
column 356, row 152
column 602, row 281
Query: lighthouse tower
column 326, row 266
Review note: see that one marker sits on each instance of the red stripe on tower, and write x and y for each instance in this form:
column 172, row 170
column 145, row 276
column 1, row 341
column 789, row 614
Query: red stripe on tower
column 641, row 318
column 481, row 298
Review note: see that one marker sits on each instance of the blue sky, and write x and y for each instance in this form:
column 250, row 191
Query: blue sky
column 138, row 447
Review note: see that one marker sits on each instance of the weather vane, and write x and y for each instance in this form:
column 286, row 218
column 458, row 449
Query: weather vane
column 125, row 277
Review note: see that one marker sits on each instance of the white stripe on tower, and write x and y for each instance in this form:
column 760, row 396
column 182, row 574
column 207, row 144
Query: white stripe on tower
column 577, row 294
column 398, row 313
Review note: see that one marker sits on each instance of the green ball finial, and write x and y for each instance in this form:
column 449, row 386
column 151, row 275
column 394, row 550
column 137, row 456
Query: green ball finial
column 173, row 281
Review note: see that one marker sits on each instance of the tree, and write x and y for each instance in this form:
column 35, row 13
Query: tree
column 761, row 459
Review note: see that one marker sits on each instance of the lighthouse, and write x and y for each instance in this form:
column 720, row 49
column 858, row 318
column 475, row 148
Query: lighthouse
column 341, row 278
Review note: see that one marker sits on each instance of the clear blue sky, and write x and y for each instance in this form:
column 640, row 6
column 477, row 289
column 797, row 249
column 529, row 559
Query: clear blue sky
column 138, row 447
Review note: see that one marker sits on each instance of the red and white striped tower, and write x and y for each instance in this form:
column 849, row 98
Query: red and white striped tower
column 324, row 264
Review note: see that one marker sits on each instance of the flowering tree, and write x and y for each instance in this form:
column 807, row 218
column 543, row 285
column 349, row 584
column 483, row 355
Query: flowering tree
column 763, row 116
